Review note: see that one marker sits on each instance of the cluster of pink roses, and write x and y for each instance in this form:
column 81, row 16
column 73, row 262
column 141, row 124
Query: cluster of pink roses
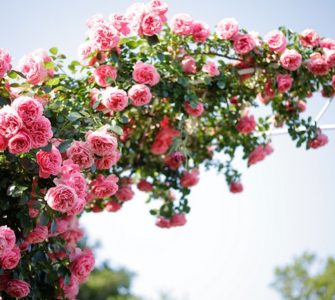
column 178, row 219
column 23, row 126
column 5, row 62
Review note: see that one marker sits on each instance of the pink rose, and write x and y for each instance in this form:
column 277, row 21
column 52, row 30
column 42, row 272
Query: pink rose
column 82, row 265
column 182, row 24
column 72, row 236
column 75, row 180
column 194, row 111
column 236, row 187
column 246, row 124
column 61, row 198
column 71, row 289
column 5, row 62
column 211, row 68
column 276, row 41
column 104, row 36
column 164, row 140
column 77, row 208
column 28, row 109
column 95, row 96
column 124, row 193
column 120, row 22
column 10, row 122
column 200, row 32
column 19, row 143
column 139, row 94
column 11, row 258
column 7, row 239
column 163, row 222
column 284, row 82
column 330, row 57
column 112, row 206
column 327, row 43
column 259, row 154
column 189, row 179
column 301, row 106
column 106, row 162
column 317, row 64
column 85, row 54
column 309, row 38
column 145, row 74
column 227, row 29
column 49, row 162
column 104, row 74
column 174, row 160
column 17, row 288
column 101, row 142
column 157, row 6
column 104, row 187
column 244, row 43
column 320, row 141
column 188, row 65
column 144, row 186
column 38, row 235
column 95, row 20
column 40, row 132
column 3, row 143
column 178, row 220
column 81, row 154
column 291, row 60
column 32, row 67
column 151, row 24
column 115, row 99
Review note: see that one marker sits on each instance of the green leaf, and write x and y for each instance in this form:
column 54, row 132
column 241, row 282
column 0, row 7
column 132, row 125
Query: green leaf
column 53, row 227
column 49, row 65
column 64, row 145
column 117, row 129
column 44, row 218
column 53, row 50
column 47, row 148
column 74, row 116
column 153, row 40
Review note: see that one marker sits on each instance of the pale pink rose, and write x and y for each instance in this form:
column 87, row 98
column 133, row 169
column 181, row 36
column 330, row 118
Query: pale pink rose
column 96, row 95
column 71, row 289
column 145, row 74
column 124, row 193
column 144, row 186
column 38, row 235
column 19, row 143
column 86, row 54
column 11, row 258
column 333, row 81
column 7, row 239
column 227, row 29
column 188, row 65
column 174, row 160
column 284, row 82
column 10, row 122
column 163, row 222
column 139, row 95
column 291, row 60
column 164, row 140
column 81, row 154
column 151, row 24
column 236, row 187
column 104, row 187
column 317, row 64
column 104, row 74
column 62, row 225
column 134, row 16
column 211, row 68
column 302, row 106
column 94, row 20
column 276, row 41
column 101, row 142
column 5, row 62
column 259, row 154
column 29, row 109
column 320, row 141
column 327, row 43
column 189, row 179
column 196, row 111
column 104, row 36
column 49, row 162
column 33, row 68
column 244, row 43
column 255, row 36
column 200, row 32
column 17, row 288
column 42, row 55
column 69, row 167
column 157, row 6
column 82, row 265
column 40, row 132
column 120, row 22
column 75, row 180
column 330, row 57
column 61, row 198
column 178, row 219
column 246, row 124
column 106, row 162
column 309, row 38
column 3, row 143
column 112, row 206
column 182, row 24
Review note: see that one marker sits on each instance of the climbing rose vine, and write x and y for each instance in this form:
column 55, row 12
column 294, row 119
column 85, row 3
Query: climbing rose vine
column 146, row 105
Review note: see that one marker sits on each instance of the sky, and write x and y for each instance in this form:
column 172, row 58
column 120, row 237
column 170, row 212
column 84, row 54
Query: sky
column 231, row 243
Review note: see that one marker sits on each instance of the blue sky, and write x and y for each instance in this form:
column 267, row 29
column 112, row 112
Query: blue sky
column 232, row 243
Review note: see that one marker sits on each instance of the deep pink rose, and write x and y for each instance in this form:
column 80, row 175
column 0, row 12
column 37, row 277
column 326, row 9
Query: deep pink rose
column 104, row 36
column 40, row 132
column 182, row 24
column 144, row 186
column 38, row 235
column 61, row 198
column 20, row 143
column 49, row 162
column 7, row 239
column 330, row 57
column 104, row 74
column 106, row 162
column 259, row 154
column 120, row 22
column 163, row 222
column 5, row 62
column 104, row 187
column 124, row 193
column 101, row 142
column 327, row 43
column 71, row 289
column 244, row 43
column 85, row 54
column 246, row 124
column 188, row 65
column 211, row 68
column 82, row 265
column 227, row 29
column 17, row 288
column 10, row 122
column 284, row 82
column 145, row 74
column 291, row 60
column 3, row 143
column 200, row 32
column 317, row 64
column 139, row 95
column 11, row 258
column 276, row 41
column 94, row 20
column 77, row 208
column 178, row 220
column 115, row 99
column 112, row 206
column 236, row 187
column 309, row 38
column 69, row 167
column 320, row 141
column 164, row 140
column 195, row 111
column 151, row 24
column 28, row 109
column 174, row 160
column 81, row 154
column 76, row 180
column 189, row 179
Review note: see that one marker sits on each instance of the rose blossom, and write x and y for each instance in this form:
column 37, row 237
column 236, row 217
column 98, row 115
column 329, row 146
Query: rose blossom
column 188, row 65
column 115, row 99
column 104, row 187
column 5, row 62
column 61, row 198
column 85, row 54
column 40, row 132
column 38, row 235
column 301, row 105
column 10, row 122
column 96, row 95
column 163, row 222
column 174, row 160
column 327, row 43
column 112, row 206
column 144, row 186
column 182, row 24
column 11, row 258
column 7, row 239
column 134, row 15
column 17, row 288
column 151, row 24
column 200, row 32
column 104, row 36
column 284, row 82
column 178, row 220
column 103, row 74
column 79, row 152
column 19, row 143
column 246, row 124
column 106, row 162
column 145, row 74
column 101, row 142
column 75, row 180
column 125, row 193
column 28, row 109
column 189, row 179
column 120, row 22
column 69, row 167
column 49, row 162
column 236, row 187
column 157, row 6
column 71, row 289
column 320, row 141
column 330, row 57
column 211, row 68
column 3, row 143
column 317, row 64
column 163, row 140
column 139, row 94
column 32, row 66
column 94, row 20
column 259, row 154
column 244, row 43
column 291, row 59
column 82, row 265
column 227, row 28
column 309, row 38
column 196, row 111
column 276, row 41
column 77, row 208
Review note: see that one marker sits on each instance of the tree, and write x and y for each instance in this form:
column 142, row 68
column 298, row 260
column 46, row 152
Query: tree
column 300, row 281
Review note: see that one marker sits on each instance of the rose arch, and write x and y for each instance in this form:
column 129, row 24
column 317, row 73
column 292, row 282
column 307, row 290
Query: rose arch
column 146, row 104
